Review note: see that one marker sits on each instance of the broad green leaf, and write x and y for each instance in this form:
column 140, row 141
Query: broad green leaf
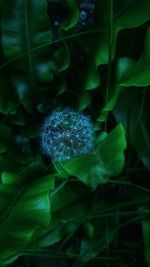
column 134, row 15
column 124, row 68
column 80, row 166
column 25, row 26
column 139, row 75
column 69, row 205
column 132, row 110
column 107, row 160
column 84, row 101
column 74, row 15
column 92, row 78
column 91, row 246
column 11, row 178
column 26, row 214
column 111, row 150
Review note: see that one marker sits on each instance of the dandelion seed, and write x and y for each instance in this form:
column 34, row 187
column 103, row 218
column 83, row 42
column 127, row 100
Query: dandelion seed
column 66, row 133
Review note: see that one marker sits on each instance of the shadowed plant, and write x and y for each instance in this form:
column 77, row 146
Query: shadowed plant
column 89, row 207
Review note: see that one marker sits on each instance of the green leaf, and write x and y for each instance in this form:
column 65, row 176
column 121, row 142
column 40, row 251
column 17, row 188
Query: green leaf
column 26, row 214
column 7, row 101
column 139, row 75
column 74, row 15
column 133, row 15
column 111, row 150
column 11, row 178
column 80, row 166
column 123, row 69
column 84, row 101
column 62, row 58
column 106, row 161
column 92, row 78
column 132, row 110
column 69, row 205
column 91, row 246
column 25, row 26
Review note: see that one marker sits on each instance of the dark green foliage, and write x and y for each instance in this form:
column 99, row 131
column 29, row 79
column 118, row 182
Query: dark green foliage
column 91, row 56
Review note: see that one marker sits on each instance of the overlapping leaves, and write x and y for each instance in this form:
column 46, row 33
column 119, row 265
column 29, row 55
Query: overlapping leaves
column 25, row 212
column 107, row 160
column 32, row 76
column 24, row 33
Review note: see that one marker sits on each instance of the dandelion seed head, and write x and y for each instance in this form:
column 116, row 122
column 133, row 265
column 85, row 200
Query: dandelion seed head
column 67, row 133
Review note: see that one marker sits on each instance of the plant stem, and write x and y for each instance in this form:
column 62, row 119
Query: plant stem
column 110, row 41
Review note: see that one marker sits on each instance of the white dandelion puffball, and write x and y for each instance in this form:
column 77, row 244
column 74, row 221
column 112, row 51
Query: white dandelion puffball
column 67, row 133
